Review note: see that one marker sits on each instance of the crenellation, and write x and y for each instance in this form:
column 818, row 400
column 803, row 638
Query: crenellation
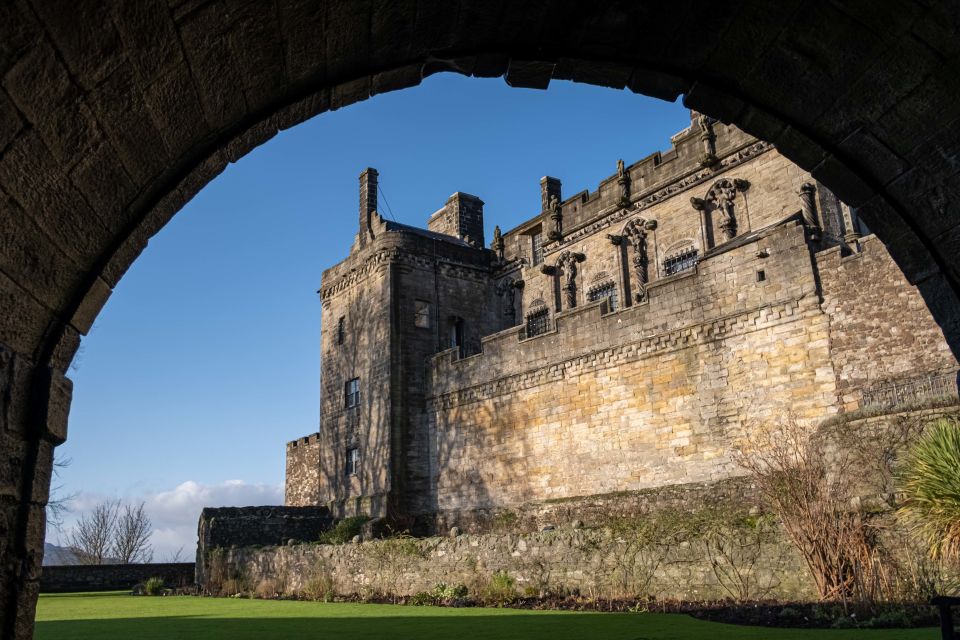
column 620, row 340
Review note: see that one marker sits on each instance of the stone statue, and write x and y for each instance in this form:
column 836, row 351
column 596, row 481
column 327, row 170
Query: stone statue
column 623, row 179
column 708, row 140
column 568, row 262
column 556, row 216
column 498, row 243
column 636, row 232
column 723, row 197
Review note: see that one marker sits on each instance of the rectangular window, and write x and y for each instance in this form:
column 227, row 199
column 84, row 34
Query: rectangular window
column 680, row 262
column 351, row 393
column 538, row 322
column 607, row 290
column 421, row 314
column 536, row 245
column 761, row 275
column 341, row 330
column 353, row 461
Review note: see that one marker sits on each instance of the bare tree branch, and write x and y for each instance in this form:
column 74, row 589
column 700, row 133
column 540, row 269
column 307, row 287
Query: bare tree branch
column 91, row 537
column 131, row 540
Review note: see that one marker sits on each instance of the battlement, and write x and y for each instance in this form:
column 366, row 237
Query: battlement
column 313, row 438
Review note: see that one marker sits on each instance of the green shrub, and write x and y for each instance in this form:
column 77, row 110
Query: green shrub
column 444, row 591
column 501, row 590
column 153, row 587
column 422, row 599
column 343, row 531
column 930, row 481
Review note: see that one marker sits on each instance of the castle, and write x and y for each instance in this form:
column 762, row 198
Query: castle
column 618, row 340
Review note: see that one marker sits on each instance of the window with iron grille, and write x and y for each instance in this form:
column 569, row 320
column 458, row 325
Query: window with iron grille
column 536, row 244
column 538, row 322
column 351, row 393
column 606, row 290
column 341, row 330
column 353, row 461
column 682, row 261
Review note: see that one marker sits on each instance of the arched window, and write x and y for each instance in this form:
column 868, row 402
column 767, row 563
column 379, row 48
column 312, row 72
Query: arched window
column 604, row 289
column 679, row 259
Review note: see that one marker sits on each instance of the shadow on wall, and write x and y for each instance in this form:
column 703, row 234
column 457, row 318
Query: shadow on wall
column 482, row 464
column 363, row 354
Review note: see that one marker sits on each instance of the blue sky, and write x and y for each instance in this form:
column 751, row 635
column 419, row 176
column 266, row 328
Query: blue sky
column 205, row 361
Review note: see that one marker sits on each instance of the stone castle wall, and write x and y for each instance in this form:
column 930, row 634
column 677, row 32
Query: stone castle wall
column 639, row 398
column 463, row 409
column 591, row 562
column 880, row 328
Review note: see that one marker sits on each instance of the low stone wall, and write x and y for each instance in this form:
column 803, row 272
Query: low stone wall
column 112, row 577
column 246, row 526
column 595, row 562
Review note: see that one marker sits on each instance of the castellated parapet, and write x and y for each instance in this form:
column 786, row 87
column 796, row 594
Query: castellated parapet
column 618, row 340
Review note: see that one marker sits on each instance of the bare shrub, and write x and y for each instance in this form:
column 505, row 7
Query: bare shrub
column 267, row 589
column 319, row 584
column 809, row 485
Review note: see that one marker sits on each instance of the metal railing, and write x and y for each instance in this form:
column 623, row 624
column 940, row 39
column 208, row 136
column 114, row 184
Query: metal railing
column 893, row 394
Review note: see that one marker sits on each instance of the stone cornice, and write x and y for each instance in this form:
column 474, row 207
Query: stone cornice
column 616, row 213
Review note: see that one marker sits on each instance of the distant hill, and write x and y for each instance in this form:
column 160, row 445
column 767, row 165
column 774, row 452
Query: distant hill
column 52, row 554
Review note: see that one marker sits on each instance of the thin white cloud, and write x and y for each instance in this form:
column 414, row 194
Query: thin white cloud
column 175, row 513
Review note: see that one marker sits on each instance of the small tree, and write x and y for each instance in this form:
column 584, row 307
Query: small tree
column 807, row 484
column 92, row 536
column 131, row 539
column 930, row 480
column 112, row 532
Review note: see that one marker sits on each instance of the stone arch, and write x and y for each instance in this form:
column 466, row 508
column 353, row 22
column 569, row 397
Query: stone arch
column 113, row 115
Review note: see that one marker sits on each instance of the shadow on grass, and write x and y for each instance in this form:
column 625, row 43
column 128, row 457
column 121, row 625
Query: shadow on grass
column 501, row 625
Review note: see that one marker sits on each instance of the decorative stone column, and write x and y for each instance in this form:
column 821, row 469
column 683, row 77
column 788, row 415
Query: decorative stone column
column 556, row 219
column 808, row 205
column 636, row 232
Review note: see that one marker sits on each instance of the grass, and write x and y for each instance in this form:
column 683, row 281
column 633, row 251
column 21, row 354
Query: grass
column 103, row 616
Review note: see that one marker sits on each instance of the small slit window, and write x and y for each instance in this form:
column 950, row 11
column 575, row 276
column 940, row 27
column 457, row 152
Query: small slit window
column 761, row 275
column 341, row 330
column 682, row 261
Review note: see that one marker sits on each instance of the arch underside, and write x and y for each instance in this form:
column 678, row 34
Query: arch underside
column 114, row 114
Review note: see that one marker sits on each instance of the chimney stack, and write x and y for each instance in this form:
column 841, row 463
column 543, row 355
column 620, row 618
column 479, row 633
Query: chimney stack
column 549, row 187
column 368, row 202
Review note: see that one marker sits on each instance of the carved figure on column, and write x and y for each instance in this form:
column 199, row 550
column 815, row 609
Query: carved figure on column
column 636, row 233
column 723, row 196
column 498, row 243
column 556, row 218
column 709, row 141
column 508, row 288
column 623, row 179
column 808, row 193
column 568, row 263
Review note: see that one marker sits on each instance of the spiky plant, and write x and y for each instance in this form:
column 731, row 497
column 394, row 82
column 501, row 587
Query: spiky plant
column 930, row 480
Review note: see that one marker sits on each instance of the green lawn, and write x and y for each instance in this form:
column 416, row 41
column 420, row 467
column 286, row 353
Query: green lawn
column 103, row 616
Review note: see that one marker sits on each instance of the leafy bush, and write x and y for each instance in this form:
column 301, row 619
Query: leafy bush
column 501, row 589
column 443, row 591
column 422, row 599
column 931, row 483
column 343, row 531
column 153, row 587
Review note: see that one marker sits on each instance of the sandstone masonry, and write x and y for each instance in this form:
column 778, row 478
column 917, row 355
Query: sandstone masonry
column 619, row 340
